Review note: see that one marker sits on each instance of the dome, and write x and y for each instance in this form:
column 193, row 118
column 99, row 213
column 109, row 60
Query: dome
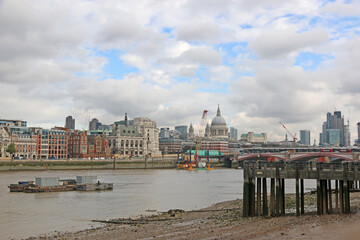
column 218, row 119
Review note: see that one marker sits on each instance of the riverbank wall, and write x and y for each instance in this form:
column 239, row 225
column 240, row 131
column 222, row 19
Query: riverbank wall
column 80, row 164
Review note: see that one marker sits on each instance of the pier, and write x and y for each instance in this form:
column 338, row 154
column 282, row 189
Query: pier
column 345, row 175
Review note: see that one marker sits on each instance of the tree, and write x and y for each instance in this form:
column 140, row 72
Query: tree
column 11, row 149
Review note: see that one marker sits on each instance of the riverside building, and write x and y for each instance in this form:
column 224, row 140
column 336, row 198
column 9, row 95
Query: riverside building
column 134, row 137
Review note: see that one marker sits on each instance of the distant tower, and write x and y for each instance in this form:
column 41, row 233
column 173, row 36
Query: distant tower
column 358, row 128
column 191, row 131
column 70, row 123
column 93, row 124
column 207, row 131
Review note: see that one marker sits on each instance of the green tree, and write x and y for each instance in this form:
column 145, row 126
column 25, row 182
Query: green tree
column 11, row 149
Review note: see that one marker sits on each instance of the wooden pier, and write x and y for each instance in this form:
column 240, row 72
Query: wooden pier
column 346, row 176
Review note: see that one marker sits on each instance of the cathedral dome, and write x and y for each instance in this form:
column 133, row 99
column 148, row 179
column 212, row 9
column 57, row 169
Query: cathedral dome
column 218, row 120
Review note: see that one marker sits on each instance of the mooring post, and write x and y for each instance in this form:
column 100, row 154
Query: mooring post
column 246, row 197
column 297, row 174
column 277, row 198
column 265, row 203
column 114, row 163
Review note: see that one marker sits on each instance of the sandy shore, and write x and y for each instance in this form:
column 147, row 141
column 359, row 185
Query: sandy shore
column 224, row 221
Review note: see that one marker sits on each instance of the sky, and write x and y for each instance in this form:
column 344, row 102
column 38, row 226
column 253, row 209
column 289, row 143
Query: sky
column 262, row 61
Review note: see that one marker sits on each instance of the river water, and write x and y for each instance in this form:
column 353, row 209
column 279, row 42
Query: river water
column 32, row 214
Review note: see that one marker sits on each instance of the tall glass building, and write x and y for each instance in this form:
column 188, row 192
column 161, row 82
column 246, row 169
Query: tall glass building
column 305, row 137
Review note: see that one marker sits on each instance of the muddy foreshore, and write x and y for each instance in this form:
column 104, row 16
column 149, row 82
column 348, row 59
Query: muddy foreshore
column 224, row 221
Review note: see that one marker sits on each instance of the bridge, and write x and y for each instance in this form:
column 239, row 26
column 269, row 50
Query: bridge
column 299, row 156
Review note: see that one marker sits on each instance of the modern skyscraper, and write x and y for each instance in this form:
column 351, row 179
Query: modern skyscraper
column 233, row 133
column 305, row 137
column 70, row 123
column 183, row 129
column 340, row 137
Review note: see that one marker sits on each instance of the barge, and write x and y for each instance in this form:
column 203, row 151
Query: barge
column 54, row 184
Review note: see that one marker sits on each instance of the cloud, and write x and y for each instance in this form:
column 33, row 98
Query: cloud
column 204, row 31
column 281, row 43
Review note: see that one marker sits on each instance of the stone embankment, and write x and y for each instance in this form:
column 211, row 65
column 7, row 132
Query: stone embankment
column 156, row 162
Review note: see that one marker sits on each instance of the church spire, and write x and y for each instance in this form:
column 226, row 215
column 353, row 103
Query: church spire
column 218, row 111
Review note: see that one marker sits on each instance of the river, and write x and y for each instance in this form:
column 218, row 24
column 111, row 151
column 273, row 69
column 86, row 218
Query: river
column 32, row 214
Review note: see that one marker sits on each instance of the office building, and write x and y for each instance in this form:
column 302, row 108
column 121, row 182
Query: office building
column 233, row 133
column 305, row 137
column 182, row 130
column 329, row 137
column 252, row 137
column 70, row 123
column 9, row 123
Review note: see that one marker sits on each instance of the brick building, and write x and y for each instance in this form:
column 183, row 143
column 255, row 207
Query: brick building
column 221, row 146
column 78, row 144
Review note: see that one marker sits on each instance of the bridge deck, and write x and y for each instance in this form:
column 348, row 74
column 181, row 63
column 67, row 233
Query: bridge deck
column 323, row 171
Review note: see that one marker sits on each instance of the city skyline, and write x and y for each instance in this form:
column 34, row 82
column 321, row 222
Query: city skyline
column 263, row 62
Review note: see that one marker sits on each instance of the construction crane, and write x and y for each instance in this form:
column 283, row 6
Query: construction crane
column 201, row 134
column 203, row 123
column 293, row 136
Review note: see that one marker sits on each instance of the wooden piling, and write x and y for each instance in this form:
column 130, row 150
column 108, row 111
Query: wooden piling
column 258, row 200
column 337, row 196
column 318, row 190
column 246, row 193
column 252, row 190
column 283, row 196
column 330, row 196
column 272, row 197
column 302, row 196
column 265, row 203
column 297, row 174
column 346, row 189
column 277, row 193
column 341, row 193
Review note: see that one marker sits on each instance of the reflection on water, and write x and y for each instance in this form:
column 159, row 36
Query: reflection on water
column 31, row 214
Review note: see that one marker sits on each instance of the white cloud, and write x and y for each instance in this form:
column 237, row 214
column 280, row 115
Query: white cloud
column 206, row 31
column 274, row 44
